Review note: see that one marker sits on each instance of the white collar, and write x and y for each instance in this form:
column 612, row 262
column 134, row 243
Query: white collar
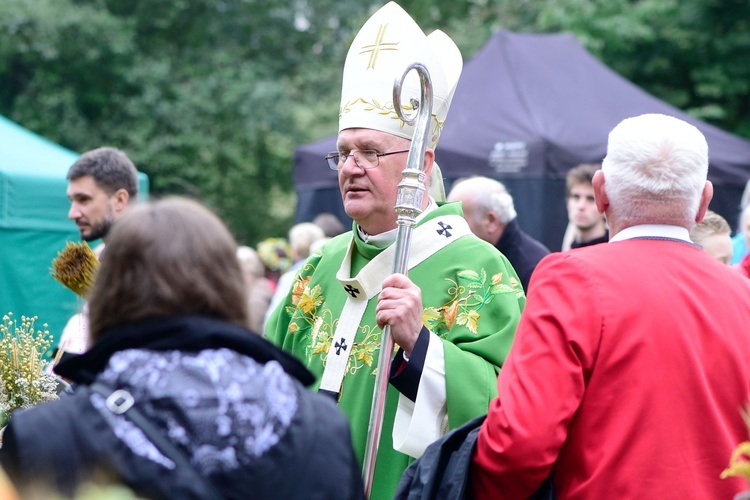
column 651, row 231
column 382, row 240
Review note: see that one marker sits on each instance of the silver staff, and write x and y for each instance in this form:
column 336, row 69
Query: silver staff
column 408, row 206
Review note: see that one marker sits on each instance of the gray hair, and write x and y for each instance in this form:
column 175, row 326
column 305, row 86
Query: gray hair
column 656, row 167
column 490, row 195
column 302, row 235
column 329, row 223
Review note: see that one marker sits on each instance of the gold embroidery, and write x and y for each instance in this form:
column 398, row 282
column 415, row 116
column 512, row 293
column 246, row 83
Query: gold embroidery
column 298, row 288
column 469, row 295
column 387, row 110
column 379, row 45
column 316, row 327
column 363, row 353
column 310, row 300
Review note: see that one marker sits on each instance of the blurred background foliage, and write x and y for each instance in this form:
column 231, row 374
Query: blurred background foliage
column 210, row 97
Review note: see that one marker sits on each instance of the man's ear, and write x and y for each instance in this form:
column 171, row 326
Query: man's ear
column 706, row 196
column 429, row 160
column 492, row 222
column 120, row 200
column 602, row 202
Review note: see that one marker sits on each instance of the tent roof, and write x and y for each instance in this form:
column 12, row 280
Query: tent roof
column 535, row 105
column 549, row 89
column 33, row 225
column 24, row 152
column 33, row 180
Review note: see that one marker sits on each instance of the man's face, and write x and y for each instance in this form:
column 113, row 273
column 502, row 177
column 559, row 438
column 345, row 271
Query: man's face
column 90, row 208
column 582, row 212
column 471, row 214
column 369, row 196
column 719, row 246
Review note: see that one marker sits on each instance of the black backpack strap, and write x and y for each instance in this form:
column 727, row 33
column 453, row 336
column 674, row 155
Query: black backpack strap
column 121, row 402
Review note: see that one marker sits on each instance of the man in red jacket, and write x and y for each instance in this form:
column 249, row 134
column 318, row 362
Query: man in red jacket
column 632, row 359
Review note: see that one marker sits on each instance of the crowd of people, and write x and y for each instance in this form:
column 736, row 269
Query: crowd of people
column 201, row 368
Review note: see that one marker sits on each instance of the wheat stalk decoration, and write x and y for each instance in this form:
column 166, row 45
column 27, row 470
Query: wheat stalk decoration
column 75, row 267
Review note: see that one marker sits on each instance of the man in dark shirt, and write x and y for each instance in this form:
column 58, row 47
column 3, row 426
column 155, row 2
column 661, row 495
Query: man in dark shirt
column 489, row 210
column 586, row 225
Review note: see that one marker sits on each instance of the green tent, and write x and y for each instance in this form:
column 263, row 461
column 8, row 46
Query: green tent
column 34, row 226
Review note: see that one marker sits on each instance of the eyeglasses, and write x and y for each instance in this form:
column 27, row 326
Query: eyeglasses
column 365, row 159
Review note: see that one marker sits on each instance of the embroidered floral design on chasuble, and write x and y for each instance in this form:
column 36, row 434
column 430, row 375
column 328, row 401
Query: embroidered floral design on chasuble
column 318, row 325
column 469, row 294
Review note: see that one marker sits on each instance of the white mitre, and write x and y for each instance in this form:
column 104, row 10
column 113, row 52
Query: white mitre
column 382, row 50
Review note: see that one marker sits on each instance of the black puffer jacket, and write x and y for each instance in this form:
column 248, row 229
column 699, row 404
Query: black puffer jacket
column 230, row 401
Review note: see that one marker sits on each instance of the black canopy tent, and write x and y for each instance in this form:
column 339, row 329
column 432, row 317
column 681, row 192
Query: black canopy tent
column 529, row 107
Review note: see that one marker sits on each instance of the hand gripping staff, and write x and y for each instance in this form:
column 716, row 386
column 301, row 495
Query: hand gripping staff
column 411, row 191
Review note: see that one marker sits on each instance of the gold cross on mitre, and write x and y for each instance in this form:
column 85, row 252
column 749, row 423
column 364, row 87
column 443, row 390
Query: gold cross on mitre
column 379, row 45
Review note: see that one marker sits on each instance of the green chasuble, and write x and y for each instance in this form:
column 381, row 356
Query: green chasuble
column 472, row 301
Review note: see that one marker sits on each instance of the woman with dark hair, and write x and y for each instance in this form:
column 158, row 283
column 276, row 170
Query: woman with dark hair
column 176, row 398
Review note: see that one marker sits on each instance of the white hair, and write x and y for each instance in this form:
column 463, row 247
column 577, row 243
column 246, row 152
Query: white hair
column 655, row 169
column 490, row 195
column 302, row 235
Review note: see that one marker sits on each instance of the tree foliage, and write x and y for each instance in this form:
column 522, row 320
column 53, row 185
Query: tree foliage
column 689, row 53
column 210, row 97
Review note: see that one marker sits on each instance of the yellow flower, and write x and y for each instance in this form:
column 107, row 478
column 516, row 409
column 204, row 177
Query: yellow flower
column 497, row 279
column 293, row 327
column 310, row 300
